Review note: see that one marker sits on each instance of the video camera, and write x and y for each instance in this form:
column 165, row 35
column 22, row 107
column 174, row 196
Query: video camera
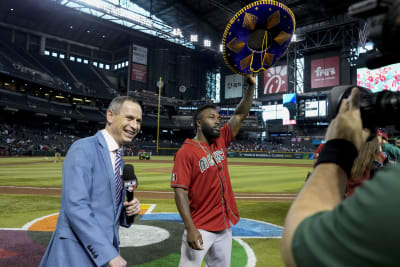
column 383, row 108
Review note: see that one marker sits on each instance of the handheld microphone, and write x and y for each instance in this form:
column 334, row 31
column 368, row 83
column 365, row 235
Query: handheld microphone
column 130, row 184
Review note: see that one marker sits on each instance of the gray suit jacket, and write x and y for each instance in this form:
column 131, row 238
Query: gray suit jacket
column 87, row 228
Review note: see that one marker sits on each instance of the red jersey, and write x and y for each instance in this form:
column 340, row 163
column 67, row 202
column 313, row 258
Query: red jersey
column 203, row 171
column 353, row 184
column 318, row 151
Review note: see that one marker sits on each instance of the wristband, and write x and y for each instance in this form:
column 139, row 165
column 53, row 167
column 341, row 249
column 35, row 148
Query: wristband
column 340, row 152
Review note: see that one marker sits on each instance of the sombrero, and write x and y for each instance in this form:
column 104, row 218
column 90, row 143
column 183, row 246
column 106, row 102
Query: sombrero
column 257, row 36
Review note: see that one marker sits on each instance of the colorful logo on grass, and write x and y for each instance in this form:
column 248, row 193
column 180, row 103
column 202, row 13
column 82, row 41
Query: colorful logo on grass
column 153, row 231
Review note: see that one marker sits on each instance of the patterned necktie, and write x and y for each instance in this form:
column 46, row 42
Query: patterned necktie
column 118, row 180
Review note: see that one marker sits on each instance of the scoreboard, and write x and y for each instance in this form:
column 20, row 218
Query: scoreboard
column 314, row 108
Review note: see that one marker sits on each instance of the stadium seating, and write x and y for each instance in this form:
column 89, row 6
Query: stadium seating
column 89, row 82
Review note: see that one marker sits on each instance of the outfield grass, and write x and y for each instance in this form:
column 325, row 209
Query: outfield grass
column 156, row 176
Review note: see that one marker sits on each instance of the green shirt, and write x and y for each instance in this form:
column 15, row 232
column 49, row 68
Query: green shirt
column 362, row 231
column 392, row 151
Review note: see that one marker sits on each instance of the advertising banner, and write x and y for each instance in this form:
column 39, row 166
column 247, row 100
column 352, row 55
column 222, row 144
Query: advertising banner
column 325, row 72
column 139, row 54
column 275, row 80
column 268, row 155
column 233, row 86
column 139, row 73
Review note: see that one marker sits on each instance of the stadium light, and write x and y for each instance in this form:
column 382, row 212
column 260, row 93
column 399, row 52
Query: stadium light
column 177, row 32
column 207, row 43
column 221, row 48
column 194, row 38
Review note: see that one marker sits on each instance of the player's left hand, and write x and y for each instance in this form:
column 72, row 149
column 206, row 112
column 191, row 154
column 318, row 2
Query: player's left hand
column 132, row 207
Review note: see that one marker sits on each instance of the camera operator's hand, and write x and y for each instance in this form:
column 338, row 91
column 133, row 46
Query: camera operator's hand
column 347, row 123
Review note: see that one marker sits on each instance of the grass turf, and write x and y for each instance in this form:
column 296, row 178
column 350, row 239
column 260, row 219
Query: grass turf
column 17, row 210
column 156, row 176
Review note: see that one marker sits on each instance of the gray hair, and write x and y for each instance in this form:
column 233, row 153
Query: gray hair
column 116, row 104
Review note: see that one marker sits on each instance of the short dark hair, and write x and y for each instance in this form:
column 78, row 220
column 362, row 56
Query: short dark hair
column 116, row 104
column 196, row 115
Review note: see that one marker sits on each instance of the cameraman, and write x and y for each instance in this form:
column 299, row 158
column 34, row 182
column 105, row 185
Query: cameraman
column 322, row 229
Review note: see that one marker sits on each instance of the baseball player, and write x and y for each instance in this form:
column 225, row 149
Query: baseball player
column 203, row 191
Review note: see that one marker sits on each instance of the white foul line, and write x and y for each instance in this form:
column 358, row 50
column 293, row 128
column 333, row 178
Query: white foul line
column 251, row 258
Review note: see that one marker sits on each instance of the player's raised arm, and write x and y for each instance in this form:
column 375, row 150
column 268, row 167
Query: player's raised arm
column 242, row 110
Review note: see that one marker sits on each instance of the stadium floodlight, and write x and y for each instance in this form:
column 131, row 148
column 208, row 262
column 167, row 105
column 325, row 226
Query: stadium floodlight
column 194, row 38
column 221, row 48
column 207, row 43
column 177, row 32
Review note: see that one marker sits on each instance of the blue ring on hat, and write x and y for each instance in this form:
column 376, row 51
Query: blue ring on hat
column 274, row 20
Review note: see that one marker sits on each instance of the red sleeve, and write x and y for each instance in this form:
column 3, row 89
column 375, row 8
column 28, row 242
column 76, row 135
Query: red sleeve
column 182, row 170
column 226, row 134
column 318, row 151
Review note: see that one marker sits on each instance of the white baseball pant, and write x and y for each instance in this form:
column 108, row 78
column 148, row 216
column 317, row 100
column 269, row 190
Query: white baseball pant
column 217, row 250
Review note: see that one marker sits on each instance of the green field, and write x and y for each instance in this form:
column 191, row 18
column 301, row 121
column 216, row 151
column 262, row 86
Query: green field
column 156, row 176
column 16, row 210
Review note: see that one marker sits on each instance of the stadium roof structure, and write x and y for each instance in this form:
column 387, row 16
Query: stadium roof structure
column 208, row 18
column 205, row 18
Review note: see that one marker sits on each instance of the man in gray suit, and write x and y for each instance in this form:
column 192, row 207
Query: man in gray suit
column 92, row 203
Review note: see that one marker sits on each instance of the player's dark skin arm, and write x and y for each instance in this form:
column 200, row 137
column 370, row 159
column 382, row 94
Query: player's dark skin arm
column 243, row 108
column 193, row 237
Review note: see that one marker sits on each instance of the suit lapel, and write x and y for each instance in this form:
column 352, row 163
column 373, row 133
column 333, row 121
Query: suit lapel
column 105, row 153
